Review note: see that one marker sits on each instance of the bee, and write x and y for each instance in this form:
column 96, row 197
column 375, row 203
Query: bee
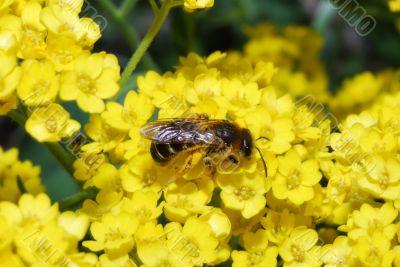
column 217, row 140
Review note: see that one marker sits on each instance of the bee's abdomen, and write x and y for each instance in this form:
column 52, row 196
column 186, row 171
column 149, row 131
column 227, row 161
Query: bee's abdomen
column 162, row 153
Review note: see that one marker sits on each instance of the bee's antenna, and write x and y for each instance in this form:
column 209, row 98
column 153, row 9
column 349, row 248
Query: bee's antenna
column 262, row 137
column 263, row 161
column 261, row 155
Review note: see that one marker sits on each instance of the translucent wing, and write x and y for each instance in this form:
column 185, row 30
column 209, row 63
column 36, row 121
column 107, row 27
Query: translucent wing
column 190, row 131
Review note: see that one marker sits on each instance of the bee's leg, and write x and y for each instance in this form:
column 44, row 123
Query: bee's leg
column 181, row 172
column 208, row 162
column 209, row 165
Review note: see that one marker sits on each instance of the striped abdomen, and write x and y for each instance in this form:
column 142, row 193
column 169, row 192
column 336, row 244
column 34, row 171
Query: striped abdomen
column 162, row 153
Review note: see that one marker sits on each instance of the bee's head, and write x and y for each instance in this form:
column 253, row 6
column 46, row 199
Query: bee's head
column 246, row 145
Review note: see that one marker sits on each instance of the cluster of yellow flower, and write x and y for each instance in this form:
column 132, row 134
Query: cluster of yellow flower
column 34, row 233
column 17, row 177
column 296, row 50
column 45, row 54
column 333, row 187
column 394, row 5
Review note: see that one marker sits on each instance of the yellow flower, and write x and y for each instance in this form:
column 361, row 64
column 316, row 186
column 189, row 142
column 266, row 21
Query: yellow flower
column 62, row 51
column 191, row 5
column 6, row 233
column 107, row 177
column 278, row 225
column 383, row 180
column 14, row 174
column 272, row 120
column 205, row 86
column 51, row 124
column 105, row 137
column 4, row 5
column 107, row 202
column 62, row 21
column 218, row 221
column 31, row 211
column 356, row 94
column 299, row 249
column 296, row 50
column 243, row 192
column 143, row 205
column 394, row 5
column 113, row 234
column 296, row 179
column 372, row 250
column 184, row 199
column 107, row 260
column 254, row 242
column 238, row 98
column 75, row 225
column 303, row 120
column 83, row 259
column 10, row 75
column 93, row 79
column 29, row 31
column 194, row 243
column 73, row 6
column 369, row 220
column 268, row 257
column 8, row 258
column 152, row 247
column 39, row 83
column 8, row 104
column 133, row 147
column 395, row 256
column 141, row 173
column 136, row 111
column 339, row 254
column 86, row 166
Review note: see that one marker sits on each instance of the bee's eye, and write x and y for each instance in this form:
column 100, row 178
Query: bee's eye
column 233, row 159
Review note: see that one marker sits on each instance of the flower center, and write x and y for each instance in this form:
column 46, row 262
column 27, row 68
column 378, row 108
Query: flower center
column 294, row 180
column 86, row 85
column 374, row 225
column 384, row 180
column 114, row 234
column 51, row 124
column 63, row 57
column 129, row 115
column 144, row 213
column 297, row 253
column 189, row 248
column 255, row 258
column 373, row 257
column 148, row 180
column 182, row 201
column 41, row 87
column 244, row 193
column 33, row 40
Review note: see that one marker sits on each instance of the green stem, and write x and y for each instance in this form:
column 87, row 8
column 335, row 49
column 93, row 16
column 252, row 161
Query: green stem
column 118, row 17
column 65, row 158
column 77, row 198
column 366, row 200
column 126, row 7
column 145, row 43
column 154, row 6
column 17, row 117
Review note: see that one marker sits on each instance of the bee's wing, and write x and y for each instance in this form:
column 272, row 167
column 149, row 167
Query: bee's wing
column 190, row 131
